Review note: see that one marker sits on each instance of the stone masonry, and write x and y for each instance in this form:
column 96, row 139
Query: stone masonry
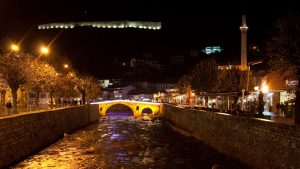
column 23, row 134
column 255, row 142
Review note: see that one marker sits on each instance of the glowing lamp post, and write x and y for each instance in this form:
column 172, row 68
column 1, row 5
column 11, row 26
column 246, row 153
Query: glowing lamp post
column 44, row 50
column 14, row 48
column 243, row 96
column 265, row 88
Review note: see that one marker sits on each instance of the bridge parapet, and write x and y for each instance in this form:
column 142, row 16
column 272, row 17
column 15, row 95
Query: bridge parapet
column 135, row 106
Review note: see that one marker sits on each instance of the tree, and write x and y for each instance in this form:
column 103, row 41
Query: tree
column 69, row 84
column 41, row 76
column 15, row 69
column 204, row 76
column 47, row 79
column 94, row 90
column 184, row 85
column 88, row 87
column 233, row 79
column 284, row 51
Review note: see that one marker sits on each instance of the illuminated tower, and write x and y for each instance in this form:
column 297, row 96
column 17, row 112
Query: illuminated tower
column 244, row 29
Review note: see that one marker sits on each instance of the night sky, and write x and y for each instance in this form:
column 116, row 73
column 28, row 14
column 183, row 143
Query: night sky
column 186, row 25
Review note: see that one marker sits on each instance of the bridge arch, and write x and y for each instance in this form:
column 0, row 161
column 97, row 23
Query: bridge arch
column 136, row 107
column 147, row 111
column 119, row 108
column 107, row 106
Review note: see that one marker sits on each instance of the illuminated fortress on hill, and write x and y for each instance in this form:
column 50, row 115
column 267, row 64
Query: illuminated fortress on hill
column 104, row 24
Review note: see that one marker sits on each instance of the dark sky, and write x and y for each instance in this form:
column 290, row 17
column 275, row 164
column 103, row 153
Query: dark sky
column 186, row 25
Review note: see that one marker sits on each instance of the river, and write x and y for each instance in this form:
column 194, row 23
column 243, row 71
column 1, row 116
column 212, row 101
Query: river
column 121, row 141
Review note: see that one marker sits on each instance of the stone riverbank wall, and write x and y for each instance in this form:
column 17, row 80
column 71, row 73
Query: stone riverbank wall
column 255, row 142
column 26, row 133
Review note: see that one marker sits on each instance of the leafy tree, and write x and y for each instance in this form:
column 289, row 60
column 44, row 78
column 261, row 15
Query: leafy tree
column 94, row 90
column 184, row 85
column 39, row 77
column 233, row 79
column 88, row 87
column 204, row 76
column 68, row 83
column 284, row 51
column 15, row 69
column 47, row 79
column 183, row 81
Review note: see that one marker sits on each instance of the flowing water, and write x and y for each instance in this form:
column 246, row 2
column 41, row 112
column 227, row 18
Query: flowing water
column 121, row 141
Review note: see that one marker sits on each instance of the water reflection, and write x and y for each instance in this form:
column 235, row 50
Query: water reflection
column 119, row 115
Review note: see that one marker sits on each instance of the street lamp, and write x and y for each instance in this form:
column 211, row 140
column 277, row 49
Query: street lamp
column 264, row 88
column 243, row 97
column 14, row 47
column 248, row 73
column 66, row 66
column 44, row 50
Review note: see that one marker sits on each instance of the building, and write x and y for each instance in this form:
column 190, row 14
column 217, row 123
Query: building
column 151, row 87
column 117, row 92
column 104, row 83
column 146, row 63
column 279, row 90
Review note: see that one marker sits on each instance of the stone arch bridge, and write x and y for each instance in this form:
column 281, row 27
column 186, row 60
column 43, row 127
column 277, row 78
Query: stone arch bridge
column 136, row 106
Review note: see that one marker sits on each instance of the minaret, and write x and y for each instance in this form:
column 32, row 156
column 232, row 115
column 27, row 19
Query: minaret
column 244, row 29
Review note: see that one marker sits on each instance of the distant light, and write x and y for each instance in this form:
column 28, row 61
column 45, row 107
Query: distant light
column 264, row 88
column 14, row 47
column 256, row 88
column 44, row 50
column 66, row 66
column 112, row 24
column 212, row 49
column 128, row 101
